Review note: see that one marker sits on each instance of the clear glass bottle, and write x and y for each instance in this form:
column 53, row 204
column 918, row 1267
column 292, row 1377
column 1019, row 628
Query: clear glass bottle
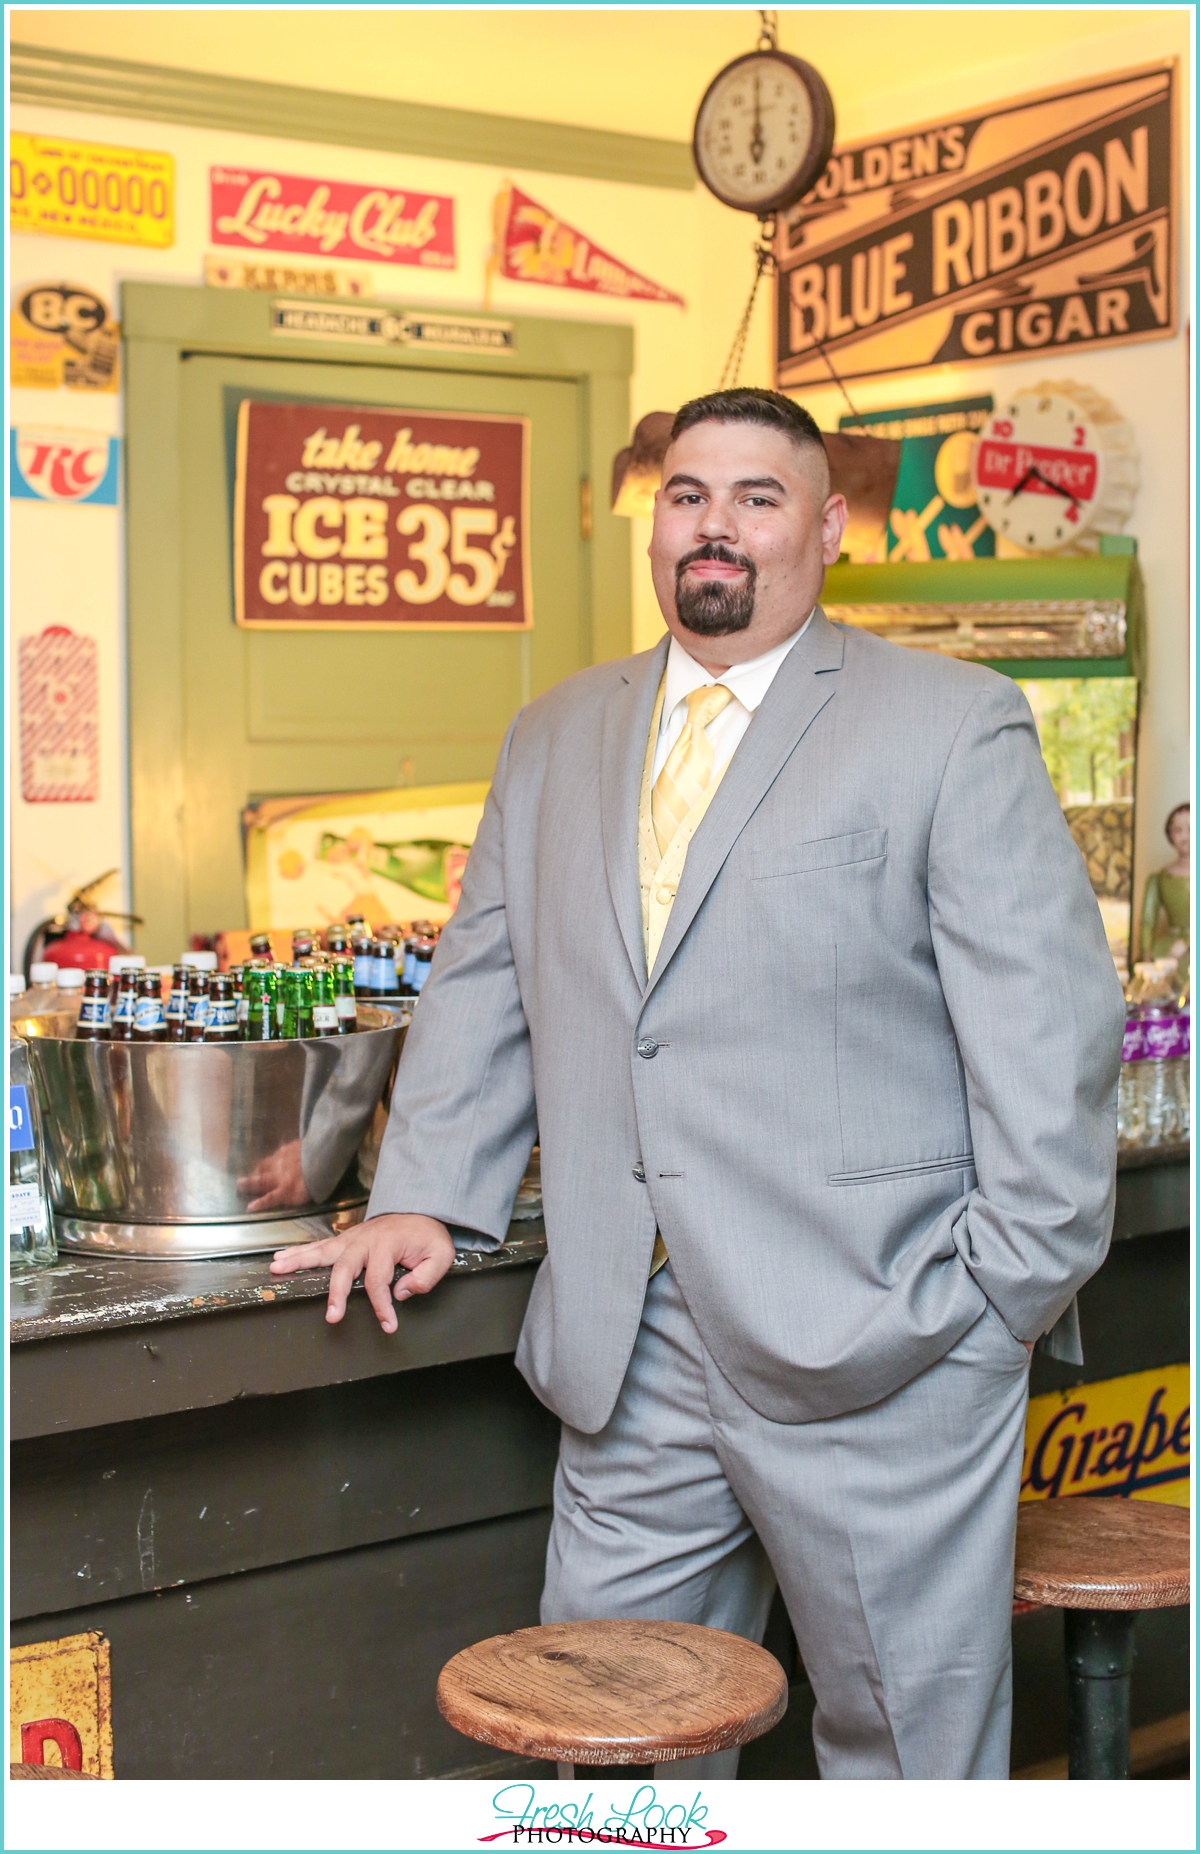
column 30, row 1226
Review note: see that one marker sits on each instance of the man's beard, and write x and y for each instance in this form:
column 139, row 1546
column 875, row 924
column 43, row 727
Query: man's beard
column 715, row 607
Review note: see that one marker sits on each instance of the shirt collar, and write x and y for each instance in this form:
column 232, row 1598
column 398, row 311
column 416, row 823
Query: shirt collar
column 747, row 682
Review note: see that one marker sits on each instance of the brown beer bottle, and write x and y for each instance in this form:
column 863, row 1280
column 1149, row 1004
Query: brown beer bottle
column 149, row 1020
column 95, row 1012
column 222, row 1025
column 124, row 1005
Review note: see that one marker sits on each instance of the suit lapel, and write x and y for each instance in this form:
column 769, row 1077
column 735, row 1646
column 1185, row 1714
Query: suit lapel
column 801, row 688
column 622, row 755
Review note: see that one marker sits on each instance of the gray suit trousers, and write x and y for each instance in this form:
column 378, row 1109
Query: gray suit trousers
column 890, row 1529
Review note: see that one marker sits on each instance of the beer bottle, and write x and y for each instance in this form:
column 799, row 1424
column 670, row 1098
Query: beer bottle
column 357, row 923
column 260, row 946
column 95, row 1011
column 422, row 954
column 124, row 1005
column 149, row 1021
column 364, row 965
column 177, row 1004
column 302, row 944
column 259, row 998
column 324, row 1008
column 293, row 1002
column 222, row 1023
column 404, row 970
column 238, row 974
column 384, row 961
column 343, row 997
column 337, row 940
column 196, row 1005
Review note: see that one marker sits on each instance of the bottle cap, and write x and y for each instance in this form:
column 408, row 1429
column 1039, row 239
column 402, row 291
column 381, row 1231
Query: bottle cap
column 16, row 984
column 126, row 962
column 70, row 978
column 43, row 972
column 207, row 962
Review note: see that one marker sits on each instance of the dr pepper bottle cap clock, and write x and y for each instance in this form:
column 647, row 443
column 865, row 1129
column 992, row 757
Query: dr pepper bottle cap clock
column 1054, row 467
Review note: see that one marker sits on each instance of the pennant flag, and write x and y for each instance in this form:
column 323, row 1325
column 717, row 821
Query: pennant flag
column 532, row 246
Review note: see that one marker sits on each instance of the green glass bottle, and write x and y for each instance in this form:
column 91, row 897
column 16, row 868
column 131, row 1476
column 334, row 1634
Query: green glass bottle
column 258, row 991
column 324, row 1005
column 343, row 997
column 297, row 1002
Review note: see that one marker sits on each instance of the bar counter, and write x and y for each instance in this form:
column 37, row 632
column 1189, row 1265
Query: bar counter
column 284, row 1528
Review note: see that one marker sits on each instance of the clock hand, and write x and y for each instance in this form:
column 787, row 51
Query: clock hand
column 757, row 145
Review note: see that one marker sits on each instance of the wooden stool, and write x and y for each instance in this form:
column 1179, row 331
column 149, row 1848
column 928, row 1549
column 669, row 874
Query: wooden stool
column 613, row 1695
column 17, row 1771
column 1101, row 1561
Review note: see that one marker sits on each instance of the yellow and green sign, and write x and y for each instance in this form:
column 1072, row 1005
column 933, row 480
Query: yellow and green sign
column 1128, row 1436
column 73, row 189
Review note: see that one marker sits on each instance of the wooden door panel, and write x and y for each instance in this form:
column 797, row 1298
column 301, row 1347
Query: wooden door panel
column 298, row 712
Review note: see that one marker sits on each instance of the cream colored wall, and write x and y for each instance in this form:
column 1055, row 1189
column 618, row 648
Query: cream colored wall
column 66, row 562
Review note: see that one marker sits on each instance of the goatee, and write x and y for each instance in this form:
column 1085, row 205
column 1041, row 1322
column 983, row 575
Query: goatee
column 715, row 607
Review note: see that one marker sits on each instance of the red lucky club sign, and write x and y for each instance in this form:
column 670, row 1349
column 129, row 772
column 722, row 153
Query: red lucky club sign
column 330, row 218
column 365, row 518
column 533, row 246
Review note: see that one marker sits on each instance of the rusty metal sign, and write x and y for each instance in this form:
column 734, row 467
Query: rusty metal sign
column 60, row 1706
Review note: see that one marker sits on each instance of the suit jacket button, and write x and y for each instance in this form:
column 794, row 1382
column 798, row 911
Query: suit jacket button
column 639, row 1172
column 647, row 1048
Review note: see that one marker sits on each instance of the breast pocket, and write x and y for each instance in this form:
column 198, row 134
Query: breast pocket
column 853, row 846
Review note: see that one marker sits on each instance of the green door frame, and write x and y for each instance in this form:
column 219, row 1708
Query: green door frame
column 165, row 323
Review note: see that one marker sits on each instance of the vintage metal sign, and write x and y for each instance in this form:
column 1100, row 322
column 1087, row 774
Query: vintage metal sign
column 1042, row 224
column 62, row 334
column 60, row 1708
column 49, row 463
column 533, row 245
column 60, row 718
column 222, row 272
column 367, row 517
column 330, row 218
column 393, row 328
column 1125, row 1436
column 71, row 189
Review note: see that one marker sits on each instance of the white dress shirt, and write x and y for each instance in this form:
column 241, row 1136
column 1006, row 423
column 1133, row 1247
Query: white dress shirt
column 746, row 682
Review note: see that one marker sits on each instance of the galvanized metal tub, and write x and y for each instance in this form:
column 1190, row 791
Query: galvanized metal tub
column 208, row 1148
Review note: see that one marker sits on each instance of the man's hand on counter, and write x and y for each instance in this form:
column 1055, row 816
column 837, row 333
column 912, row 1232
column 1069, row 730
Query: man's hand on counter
column 421, row 1245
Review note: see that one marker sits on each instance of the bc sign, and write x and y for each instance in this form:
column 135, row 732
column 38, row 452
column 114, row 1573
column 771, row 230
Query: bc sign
column 50, row 464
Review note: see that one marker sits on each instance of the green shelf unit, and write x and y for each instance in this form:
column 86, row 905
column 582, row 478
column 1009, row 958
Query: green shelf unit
column 1109, row 577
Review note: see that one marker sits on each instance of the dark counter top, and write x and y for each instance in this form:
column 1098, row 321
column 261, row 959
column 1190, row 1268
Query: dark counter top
column 96, row 1293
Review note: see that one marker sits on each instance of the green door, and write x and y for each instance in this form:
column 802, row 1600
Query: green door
column 270, row 714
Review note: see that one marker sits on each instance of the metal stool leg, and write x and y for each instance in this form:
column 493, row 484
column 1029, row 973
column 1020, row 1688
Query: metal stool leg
column 1099, row 1645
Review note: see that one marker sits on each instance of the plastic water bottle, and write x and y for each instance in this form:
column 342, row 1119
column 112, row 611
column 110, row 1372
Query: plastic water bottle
column 30, row 1229
column 1154, row 1102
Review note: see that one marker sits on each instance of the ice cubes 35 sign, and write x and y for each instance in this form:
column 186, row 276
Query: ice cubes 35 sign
column 349, row 517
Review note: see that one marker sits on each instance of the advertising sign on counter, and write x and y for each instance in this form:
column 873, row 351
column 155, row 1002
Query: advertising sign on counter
column 61, row 1704
column 72, row 189
column 391, row 856
column 59, row 718
column 330, row 218
column 365, row 517
column 1128, row 1436
column 533, row 245
column 1042, row 223
column 51, row 464
column 61, row 334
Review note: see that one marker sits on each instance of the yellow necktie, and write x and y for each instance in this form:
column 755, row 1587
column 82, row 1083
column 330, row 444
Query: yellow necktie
column 689, row 766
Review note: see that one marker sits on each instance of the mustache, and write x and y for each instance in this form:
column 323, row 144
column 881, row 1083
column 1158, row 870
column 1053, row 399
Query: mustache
column 713, row 550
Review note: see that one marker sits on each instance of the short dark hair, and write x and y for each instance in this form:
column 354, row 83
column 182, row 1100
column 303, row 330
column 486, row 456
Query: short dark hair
column 751, row 405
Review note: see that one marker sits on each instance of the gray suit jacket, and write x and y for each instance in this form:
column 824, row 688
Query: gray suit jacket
column 871, row 1083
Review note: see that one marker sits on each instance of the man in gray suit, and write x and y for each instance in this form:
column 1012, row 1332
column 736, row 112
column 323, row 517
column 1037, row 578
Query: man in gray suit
column 776, row 938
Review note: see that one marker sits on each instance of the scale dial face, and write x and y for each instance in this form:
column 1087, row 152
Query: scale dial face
column 1039, row 470
column 764, row 132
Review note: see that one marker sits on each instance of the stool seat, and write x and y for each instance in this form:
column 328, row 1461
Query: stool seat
column 616, row 1692
column 1103, row 1554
